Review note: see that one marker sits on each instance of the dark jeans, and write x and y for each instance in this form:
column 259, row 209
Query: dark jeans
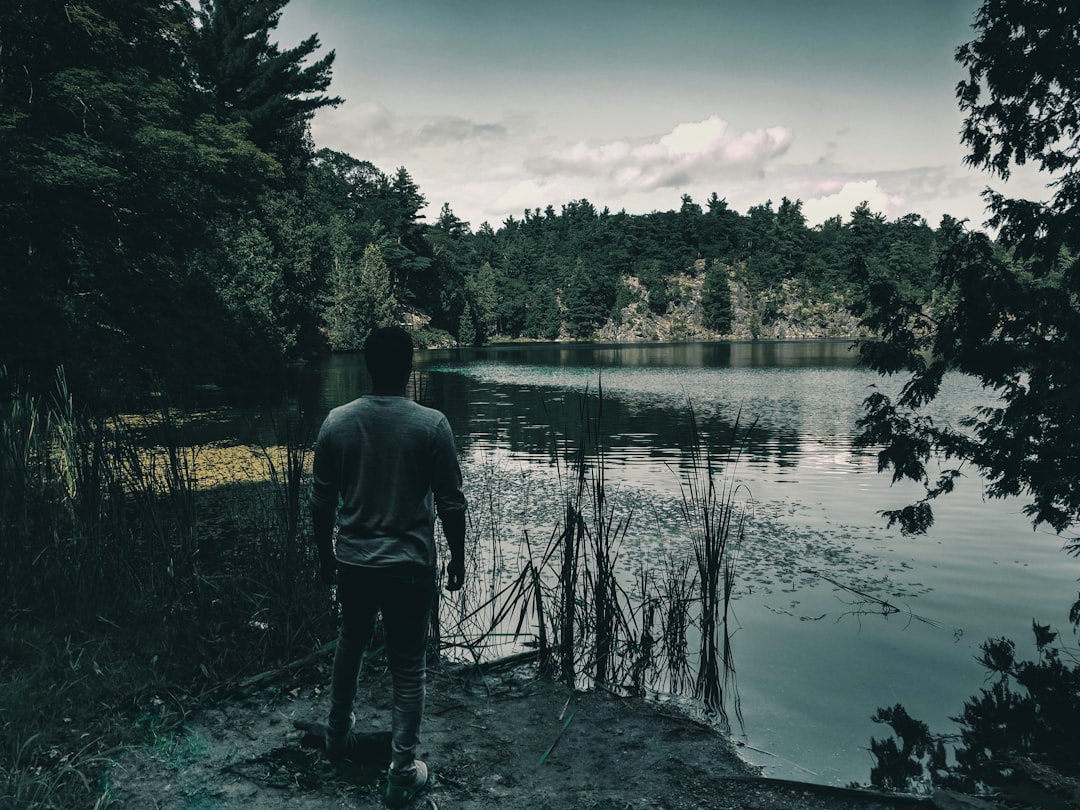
column 404, row 596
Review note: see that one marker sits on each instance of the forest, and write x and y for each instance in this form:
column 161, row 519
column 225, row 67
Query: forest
column 166, row 219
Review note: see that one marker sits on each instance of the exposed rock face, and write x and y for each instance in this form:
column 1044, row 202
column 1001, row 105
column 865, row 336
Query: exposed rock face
column 784, row 313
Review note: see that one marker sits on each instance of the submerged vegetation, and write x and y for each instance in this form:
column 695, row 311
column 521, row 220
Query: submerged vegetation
column 590, row 619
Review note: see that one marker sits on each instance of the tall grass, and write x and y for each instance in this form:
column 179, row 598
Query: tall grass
column 130, row 577
column 670, row 627
column 124, row 577
column 717, row 531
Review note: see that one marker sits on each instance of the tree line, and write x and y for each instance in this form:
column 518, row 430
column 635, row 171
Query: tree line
column 165, row 217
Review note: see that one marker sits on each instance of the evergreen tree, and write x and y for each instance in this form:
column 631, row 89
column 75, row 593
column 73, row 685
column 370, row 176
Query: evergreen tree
column 467, row 327
column 377, row 306
column 251, row 79
column 587, row 300
column 344, row 298
column 483, row 302
column 542, row 317
column 110, row 170
column 657, row 289
column 716, row 299
column 790, row 247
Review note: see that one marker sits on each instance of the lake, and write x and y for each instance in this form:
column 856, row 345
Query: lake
column 813, row 664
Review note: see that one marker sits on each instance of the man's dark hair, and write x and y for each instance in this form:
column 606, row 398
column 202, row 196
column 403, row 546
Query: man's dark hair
column 388, row 352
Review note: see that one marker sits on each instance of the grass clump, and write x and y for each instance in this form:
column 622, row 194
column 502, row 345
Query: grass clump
column 129, row 589
column 587, row 619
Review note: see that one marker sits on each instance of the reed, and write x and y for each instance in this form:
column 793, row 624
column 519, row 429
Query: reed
column 113, row 546
column 571, row 598
column 116, row 543
column 717, row 530
column 675, row 600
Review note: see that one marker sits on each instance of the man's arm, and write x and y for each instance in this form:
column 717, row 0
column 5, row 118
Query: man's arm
column 323, row 503
column 453, row 524
column 450, row 502
column 322, row 522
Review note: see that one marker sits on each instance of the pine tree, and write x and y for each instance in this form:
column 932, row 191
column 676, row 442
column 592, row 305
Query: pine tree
column 377, row 306
column 249, row 78
column 716, row 299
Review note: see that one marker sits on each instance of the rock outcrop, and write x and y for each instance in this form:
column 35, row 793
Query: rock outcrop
column 787, row 312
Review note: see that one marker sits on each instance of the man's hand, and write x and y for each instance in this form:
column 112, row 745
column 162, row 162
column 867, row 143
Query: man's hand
column 455, row 574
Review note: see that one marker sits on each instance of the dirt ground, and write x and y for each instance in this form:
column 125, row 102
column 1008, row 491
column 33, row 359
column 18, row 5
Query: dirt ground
column 502, row 741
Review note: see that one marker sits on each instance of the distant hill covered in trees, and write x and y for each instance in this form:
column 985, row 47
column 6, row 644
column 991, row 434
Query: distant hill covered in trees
column 166, row 219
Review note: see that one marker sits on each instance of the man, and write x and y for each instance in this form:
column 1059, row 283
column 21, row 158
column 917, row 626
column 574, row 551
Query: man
column 394, row 464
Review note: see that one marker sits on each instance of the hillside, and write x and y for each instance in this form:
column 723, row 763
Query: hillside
column 788, row 312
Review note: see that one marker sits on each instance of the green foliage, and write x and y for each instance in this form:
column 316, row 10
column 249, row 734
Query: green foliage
column 166, row 220
column 1031, row 710
column 716, row 299
column 588, row 298
column 250, row 79
column 658, row 291
column 483, row 296
column 119, row 177
column 1006, row 313
column 1025, row 721
column 124, row 576
column 377, row 305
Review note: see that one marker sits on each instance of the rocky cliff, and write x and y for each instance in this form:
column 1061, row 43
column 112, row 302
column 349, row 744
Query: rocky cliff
column 787, row 312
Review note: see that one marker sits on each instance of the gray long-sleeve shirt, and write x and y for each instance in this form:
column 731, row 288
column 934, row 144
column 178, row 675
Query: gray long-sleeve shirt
column 394, row 463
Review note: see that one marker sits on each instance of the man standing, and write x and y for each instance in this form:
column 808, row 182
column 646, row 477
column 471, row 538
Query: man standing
column 394, row 465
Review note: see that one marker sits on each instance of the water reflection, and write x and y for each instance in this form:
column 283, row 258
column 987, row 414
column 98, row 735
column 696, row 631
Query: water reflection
column 530, row 399
column 814, row 675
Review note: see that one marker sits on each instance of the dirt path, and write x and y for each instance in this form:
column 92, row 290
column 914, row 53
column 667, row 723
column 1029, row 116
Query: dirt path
column 485, row 741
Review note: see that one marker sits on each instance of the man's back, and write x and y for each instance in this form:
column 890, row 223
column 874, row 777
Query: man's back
column 391, row 460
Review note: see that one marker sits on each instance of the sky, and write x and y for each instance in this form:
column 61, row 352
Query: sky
column 497, row 106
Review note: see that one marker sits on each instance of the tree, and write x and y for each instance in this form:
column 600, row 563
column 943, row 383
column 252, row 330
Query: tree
column 1006, row 313
column 111, row 173
column 377, row 306
column 483, row 302
column 657, row 290
column 251, row 79
column 1021, row 724
column 588, row 298
column 716, row 299
column 790, row 238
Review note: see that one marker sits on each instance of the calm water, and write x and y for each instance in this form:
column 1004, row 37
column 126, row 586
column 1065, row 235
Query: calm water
column 812, row 665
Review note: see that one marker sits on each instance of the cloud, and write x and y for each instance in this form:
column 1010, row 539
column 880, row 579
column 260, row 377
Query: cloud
column 845, row 199
column 490, row 169
column 371, row 130
column 454, row 130
column 670, row 161
column 520, row 196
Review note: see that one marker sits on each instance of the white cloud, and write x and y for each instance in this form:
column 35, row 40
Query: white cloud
column 689, row 139
column 488, row 170
column 848, row 197
column 371, row 131
column 670, row 161
column 521, row 195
